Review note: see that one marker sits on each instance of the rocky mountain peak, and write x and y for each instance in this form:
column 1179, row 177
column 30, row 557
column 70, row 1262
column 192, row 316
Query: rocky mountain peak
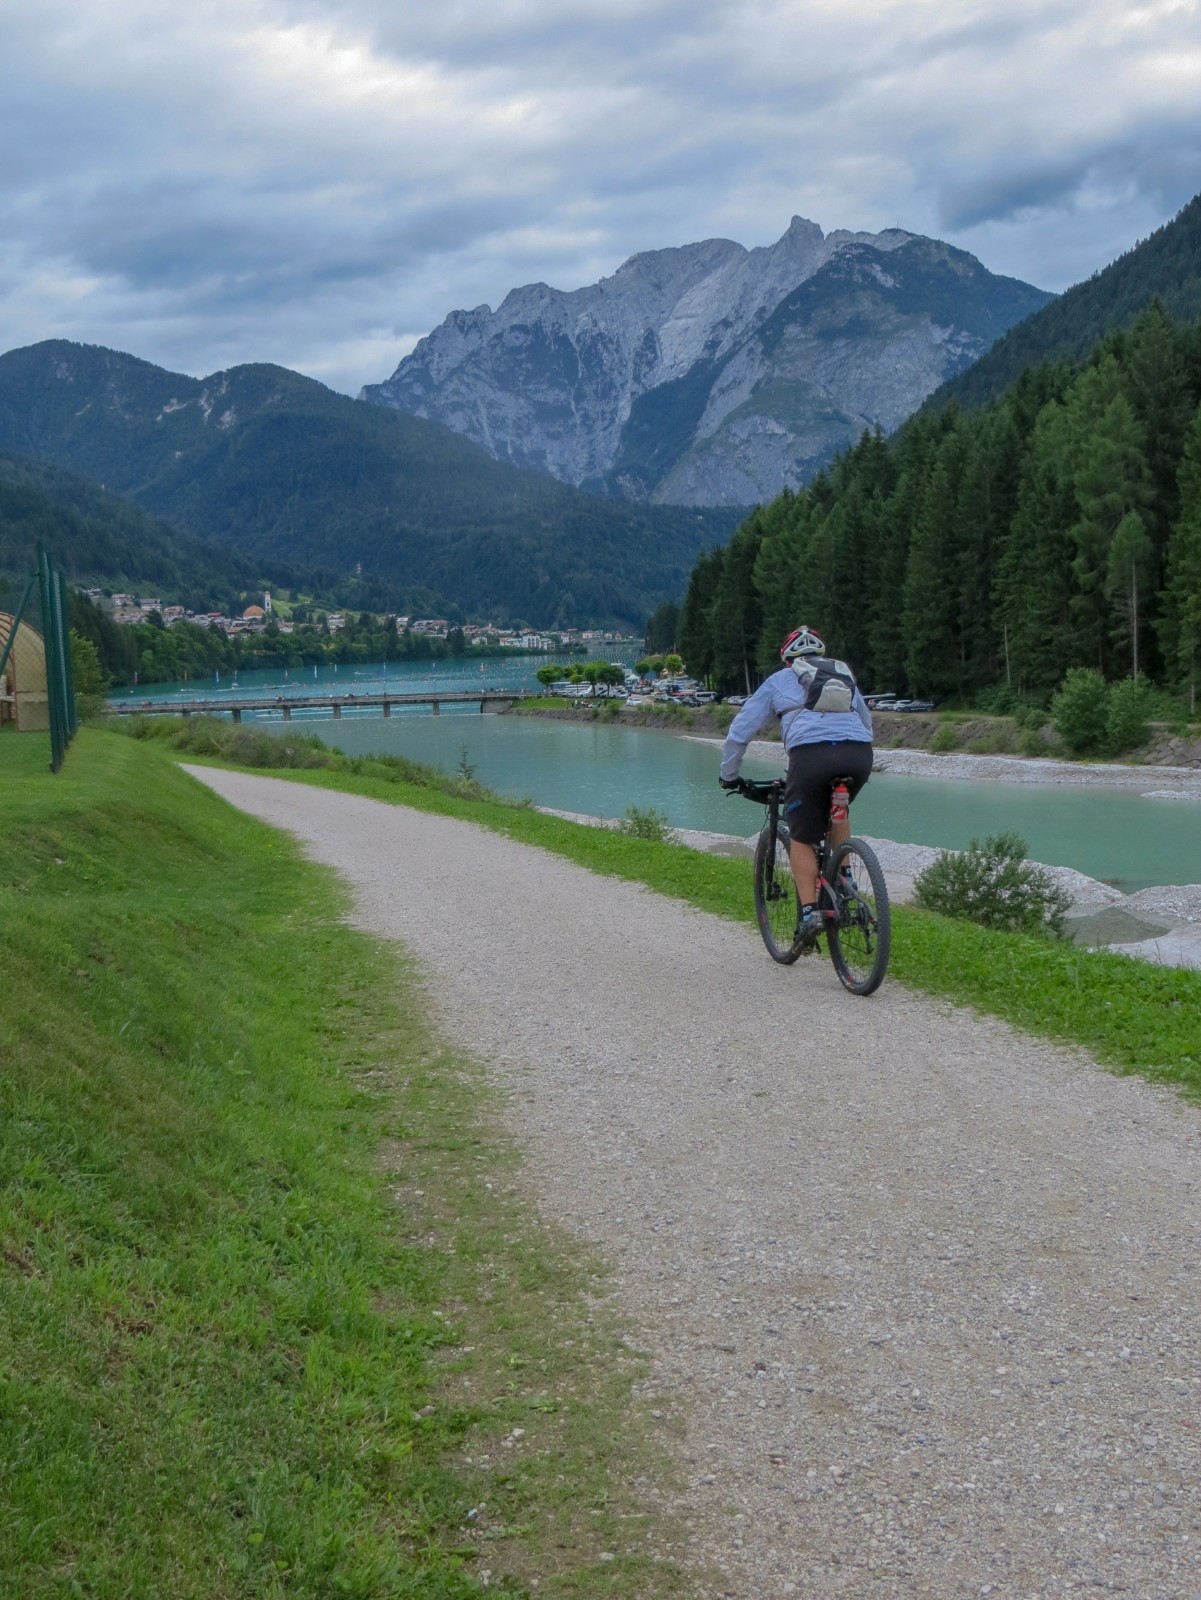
column 709, row 373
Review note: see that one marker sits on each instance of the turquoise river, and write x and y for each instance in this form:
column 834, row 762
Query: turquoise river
column 601, row 768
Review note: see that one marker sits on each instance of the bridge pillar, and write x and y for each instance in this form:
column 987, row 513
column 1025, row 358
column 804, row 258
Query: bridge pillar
column 437, row 707
column 337, row 709
column 287, row 713
column 237, row 713
column 387, row 708
column 187, row 712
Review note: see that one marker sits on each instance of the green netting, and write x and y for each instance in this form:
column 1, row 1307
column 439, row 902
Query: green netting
column 37, row 692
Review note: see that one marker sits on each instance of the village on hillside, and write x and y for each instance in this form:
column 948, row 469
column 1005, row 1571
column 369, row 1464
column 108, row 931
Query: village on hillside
column 131, row 610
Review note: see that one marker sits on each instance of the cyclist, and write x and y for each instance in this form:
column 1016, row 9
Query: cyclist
column 827, row 731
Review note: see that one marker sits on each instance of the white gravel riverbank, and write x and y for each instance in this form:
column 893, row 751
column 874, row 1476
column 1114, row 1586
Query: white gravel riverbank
column 920, row 1294
column 1167, row 783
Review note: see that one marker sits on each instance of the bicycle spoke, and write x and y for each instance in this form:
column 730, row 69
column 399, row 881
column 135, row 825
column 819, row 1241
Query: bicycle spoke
column 859, row 938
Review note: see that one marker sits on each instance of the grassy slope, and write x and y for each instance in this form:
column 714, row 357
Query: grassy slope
column 270, row 1306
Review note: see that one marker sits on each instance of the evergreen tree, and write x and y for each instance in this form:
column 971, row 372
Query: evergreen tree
column 695, row 633
column 662, row 628
column 985, row 507
column 779, row 570
column 886, row 665
column 1180, row 628
column 1104, row 446
column 1160, row 393
column 736, row 616
column 1130, row 558
column 818, row 595
column 1033, row 587
column 928, row 612
column 1157, row 386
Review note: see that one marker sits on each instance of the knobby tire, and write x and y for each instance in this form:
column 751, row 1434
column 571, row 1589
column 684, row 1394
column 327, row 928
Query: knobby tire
column 860, row 934
column 775, row 896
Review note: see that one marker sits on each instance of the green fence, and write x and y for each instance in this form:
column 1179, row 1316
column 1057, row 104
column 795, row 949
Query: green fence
column 37, row 686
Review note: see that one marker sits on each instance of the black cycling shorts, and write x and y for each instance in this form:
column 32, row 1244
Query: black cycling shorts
column 812, row 768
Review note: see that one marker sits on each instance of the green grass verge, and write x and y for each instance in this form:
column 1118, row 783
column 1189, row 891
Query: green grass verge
column 1130, row 1014
column 274, row 1319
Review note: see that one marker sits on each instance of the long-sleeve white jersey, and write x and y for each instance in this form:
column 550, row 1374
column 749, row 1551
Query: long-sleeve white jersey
column 783, row 695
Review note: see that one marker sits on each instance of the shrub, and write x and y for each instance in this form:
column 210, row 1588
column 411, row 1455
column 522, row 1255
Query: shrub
column 1029, row 714
column 1126, row 717
column 1080, row 710
column 647, row 824
column 994, row 885
column 998, row 701
column 1031, row 742
column 997, row 741
column 946, row 737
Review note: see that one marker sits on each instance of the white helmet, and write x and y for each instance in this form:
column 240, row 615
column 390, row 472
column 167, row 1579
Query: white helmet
column 801, row 641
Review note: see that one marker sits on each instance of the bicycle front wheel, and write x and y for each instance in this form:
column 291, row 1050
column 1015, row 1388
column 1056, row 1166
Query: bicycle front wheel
column 775, row 897
column 861, row 931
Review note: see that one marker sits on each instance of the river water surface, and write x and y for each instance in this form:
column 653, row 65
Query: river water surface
column 602, row 769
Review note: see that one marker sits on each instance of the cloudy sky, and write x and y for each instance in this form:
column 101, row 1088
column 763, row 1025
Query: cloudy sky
column 319, row 183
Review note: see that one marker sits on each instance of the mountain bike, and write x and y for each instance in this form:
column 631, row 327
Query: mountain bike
column 852, row 898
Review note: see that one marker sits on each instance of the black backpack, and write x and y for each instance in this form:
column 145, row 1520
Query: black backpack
column 829, row 685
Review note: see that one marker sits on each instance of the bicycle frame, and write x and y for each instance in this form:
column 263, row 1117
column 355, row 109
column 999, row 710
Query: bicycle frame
column 771, row 795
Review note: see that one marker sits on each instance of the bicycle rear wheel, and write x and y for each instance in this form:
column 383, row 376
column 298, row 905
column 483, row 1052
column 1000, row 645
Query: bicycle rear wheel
column 775, row 897
column 861, row 933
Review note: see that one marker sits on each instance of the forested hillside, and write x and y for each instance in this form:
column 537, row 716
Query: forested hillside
column 989, row 550
column 102, row 538
column 1166, row 266
column 281, row 469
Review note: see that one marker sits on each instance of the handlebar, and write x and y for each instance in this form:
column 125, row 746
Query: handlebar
column 761, row 792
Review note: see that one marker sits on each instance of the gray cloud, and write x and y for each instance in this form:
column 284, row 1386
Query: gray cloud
column 320, row 184
column 1004, row 196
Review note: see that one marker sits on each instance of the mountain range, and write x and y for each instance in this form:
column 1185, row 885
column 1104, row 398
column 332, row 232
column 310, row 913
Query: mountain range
column 199, row 485
column 283, row 470
column 711, row 374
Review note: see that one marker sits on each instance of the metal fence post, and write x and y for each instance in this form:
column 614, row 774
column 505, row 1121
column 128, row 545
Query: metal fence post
column 68, row 663
column 58, row 689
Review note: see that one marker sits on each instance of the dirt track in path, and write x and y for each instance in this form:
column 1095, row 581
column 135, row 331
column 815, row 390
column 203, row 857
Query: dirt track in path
column 922, row 1293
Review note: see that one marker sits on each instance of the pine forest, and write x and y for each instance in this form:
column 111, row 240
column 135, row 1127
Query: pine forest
column 979, row 555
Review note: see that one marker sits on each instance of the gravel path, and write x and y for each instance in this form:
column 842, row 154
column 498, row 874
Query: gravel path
column 922, row 1294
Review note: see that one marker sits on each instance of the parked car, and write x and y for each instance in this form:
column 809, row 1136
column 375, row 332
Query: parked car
column 881, row 702
column 737, row 700
column 912, row 705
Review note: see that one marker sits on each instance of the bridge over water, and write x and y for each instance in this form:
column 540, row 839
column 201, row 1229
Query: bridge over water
column 285, row 705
